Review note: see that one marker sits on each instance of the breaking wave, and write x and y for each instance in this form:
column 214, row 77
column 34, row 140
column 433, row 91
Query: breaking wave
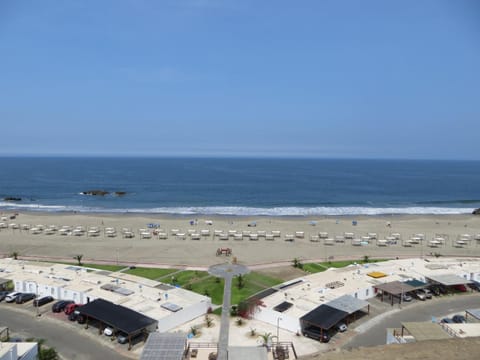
column 247, row 211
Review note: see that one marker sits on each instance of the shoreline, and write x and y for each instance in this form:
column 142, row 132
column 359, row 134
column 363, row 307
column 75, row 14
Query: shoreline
column 186, row 251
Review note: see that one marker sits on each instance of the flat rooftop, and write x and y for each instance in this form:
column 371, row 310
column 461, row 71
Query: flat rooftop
column 139, row 294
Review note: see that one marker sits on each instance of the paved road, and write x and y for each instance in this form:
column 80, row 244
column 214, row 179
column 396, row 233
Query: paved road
column 375, row 329
column 69, row 341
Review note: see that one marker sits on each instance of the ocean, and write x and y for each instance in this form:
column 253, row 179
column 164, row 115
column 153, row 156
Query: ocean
column 239, row 186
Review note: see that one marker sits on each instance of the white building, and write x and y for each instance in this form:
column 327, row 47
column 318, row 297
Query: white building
column 170, row 305
column 17, row 351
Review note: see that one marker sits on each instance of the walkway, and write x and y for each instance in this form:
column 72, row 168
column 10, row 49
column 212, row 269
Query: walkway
column 227, row 272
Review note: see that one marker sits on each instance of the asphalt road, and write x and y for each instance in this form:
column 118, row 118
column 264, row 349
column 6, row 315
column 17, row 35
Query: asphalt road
column 72, row 343
column 374, row 332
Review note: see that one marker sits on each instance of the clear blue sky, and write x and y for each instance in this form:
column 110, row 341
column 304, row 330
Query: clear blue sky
column 397, row 79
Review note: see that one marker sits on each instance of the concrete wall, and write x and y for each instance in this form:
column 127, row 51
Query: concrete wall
column 183, row 316
column 272, row 317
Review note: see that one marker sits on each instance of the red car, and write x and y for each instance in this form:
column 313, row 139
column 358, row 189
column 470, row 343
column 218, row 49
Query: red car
column 71, row 308
column 460, row 287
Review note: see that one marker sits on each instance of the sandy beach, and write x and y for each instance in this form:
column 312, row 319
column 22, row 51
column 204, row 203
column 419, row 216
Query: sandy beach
column 258, row 253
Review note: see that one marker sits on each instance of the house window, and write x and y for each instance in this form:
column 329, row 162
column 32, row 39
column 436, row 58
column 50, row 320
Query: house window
column 366, row 292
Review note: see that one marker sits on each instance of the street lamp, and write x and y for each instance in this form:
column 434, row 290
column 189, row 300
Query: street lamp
column 278, row 325
column 36, row 298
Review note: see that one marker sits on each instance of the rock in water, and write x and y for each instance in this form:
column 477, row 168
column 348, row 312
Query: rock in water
column 95, row 192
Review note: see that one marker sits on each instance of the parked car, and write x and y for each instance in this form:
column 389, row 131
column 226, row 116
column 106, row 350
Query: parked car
column 342, row 327
column 420, row 295
column 406, row 298
column 446, row 321
column 459, row 319
column 11, row 297
column 60, row 305
column 108, row 331
column 474, row 286
column 428, row 293
column 3, row 294
column 122, row 338
column 24, row 297
column 316, row 334
column 460, row 288
column 81, row 319
column 73, row 316
column 71, row 308
column 42, row 301
column 438, row 290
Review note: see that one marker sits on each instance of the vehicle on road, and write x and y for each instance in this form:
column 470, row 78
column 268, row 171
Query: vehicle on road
column 11, row 297
column 459, row 319
column 59, row 306
column 42, row 301
column 24, row 297
column 316, row 334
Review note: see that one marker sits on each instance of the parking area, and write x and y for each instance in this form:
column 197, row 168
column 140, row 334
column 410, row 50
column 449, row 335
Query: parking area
column 96, row 330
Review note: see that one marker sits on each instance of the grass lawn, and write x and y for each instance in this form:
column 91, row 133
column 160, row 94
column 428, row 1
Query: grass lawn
column 209, row 285
column 319, row 267
column 188, row 277
column 151, row 273
column 96, row 266
column 314, row 267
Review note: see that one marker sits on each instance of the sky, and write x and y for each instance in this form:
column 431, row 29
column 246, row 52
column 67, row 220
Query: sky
column 320, row 78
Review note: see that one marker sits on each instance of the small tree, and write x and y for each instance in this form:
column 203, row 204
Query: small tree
column 240, row 282
column 44, row 352
column 266, row 338
column 194, row 330
column 253, row 332
column 79, row 258
column 208, row 321
column 14, row 254
column 297, row 263
column 366, row 258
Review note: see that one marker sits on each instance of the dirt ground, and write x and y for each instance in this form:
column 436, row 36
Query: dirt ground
column 464, row 349
column 283, row 272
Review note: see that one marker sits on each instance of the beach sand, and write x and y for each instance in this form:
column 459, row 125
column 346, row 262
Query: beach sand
column 258, row 254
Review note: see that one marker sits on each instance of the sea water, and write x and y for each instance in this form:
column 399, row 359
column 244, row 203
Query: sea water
column 240, row 186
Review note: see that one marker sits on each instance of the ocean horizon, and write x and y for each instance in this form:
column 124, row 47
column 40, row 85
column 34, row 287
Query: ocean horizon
column 239, row 186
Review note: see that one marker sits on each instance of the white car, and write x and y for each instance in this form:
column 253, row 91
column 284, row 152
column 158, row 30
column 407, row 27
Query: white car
column 12, row 296
column 108, row 331
column 341, row 327
column 420, row 295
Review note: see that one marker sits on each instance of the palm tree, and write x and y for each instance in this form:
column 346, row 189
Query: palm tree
column 366, row 258
column 79, row 258
column 14, row 254
column 266, row 339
